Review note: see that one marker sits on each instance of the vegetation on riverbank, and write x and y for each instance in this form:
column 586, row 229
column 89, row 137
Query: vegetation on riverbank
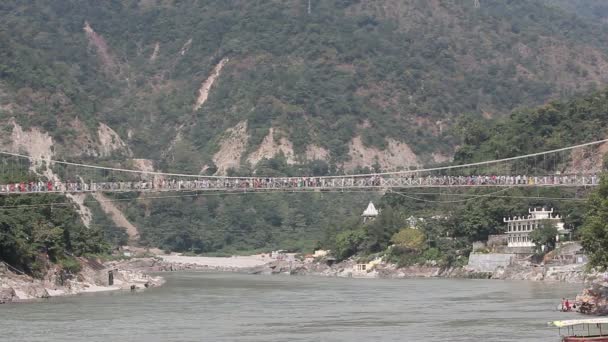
column 348, row 69
column 31, row 228
column 301, row 222
column 594, row 233
column 39, row 230
column 453, row 222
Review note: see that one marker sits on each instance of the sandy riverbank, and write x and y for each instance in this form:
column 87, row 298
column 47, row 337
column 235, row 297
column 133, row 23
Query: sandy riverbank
column 238, row 262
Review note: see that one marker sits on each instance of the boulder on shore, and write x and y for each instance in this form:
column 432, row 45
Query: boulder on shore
column 595, row 297
column 7, row 294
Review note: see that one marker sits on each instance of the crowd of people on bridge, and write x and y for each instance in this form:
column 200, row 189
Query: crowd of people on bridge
column 334, row 182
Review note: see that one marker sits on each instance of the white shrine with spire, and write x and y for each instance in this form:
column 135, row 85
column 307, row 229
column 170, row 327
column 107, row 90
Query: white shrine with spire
column 370, row 212
column 520, row 227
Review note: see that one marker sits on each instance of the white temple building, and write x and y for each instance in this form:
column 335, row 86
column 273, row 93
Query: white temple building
column 370, row 213
column 520, row 227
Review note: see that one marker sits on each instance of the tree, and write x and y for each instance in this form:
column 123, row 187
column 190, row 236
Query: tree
column 545, row 234
column 348, row 242
column 409, row 239
column 594, row 233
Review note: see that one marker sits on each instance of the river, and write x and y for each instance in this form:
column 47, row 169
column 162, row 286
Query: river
column 234, row 307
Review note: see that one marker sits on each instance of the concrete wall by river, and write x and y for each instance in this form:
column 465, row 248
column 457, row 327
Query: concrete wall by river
column 489, row 262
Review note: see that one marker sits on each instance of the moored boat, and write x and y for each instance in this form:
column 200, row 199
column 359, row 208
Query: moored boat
column 583, row 330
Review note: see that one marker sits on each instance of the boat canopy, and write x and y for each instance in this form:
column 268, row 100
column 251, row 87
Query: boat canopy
column 569, row 323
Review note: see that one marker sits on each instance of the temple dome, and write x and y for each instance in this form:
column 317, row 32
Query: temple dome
column 371, row 211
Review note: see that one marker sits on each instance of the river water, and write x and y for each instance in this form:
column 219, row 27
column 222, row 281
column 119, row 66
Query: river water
column 233, row 307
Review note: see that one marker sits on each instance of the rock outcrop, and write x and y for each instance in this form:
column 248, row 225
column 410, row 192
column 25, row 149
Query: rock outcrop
column 347, row 268
column 7, row 294
column 93, row 277
column 594, row 298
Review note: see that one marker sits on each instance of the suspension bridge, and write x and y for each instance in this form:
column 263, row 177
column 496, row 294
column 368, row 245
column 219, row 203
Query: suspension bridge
column 555, row 168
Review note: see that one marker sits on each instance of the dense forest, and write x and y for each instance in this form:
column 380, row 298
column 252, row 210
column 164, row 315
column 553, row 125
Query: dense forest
column 445, row 77
column 454, row 220
column 377, row 70
column 34, row 233
column 242, row 223
column 554, row 125
column 593, row 9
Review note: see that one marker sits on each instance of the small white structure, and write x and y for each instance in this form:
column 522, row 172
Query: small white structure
column 279, row 255
column 126, row 251
column 361, row 268
column 319, row 253
column 412, row 222
column 520, row 227
column 370, row 213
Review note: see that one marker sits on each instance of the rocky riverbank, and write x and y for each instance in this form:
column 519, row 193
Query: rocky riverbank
column 168, row 263
column 594, row 298
column 93, row 277
column 574, row 273
column 128, row 273
column 263, row 264
column 349, row 268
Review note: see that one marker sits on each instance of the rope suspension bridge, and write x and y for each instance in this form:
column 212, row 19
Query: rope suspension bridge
column 556, row 168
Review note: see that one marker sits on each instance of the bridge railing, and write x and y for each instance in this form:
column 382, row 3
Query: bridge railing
column 301, row 183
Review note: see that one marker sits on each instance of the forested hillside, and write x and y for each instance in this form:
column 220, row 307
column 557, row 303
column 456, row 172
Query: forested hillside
column 594, row 9
column 211, row 85
column 552, row 126
column 453, row 220
column 276, row 87
column 34, row 233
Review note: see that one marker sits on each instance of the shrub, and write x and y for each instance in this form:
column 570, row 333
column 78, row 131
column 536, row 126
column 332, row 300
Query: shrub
column 409, row 239
column 70, row 265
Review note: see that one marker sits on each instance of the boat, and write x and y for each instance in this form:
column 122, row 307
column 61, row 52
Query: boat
column 583, row 330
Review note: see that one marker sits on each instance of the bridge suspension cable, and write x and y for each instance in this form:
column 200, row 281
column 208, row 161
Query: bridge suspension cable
column 473, row 197
column 158, row 173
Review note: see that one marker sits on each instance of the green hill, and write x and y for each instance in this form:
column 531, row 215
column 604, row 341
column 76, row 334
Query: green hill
column 270, row 87
column 594, row 9
column 351, row 80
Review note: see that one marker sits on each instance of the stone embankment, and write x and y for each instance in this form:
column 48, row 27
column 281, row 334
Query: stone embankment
column 563, row 273
column 93, row 277
column 565, row 264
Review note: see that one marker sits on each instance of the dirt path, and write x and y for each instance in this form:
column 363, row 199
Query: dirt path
column 117, row 216
column 203, row 92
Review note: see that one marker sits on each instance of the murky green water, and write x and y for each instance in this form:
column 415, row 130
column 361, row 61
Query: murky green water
column 231, row 307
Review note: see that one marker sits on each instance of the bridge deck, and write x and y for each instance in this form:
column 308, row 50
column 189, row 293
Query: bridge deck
column 292, row 184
